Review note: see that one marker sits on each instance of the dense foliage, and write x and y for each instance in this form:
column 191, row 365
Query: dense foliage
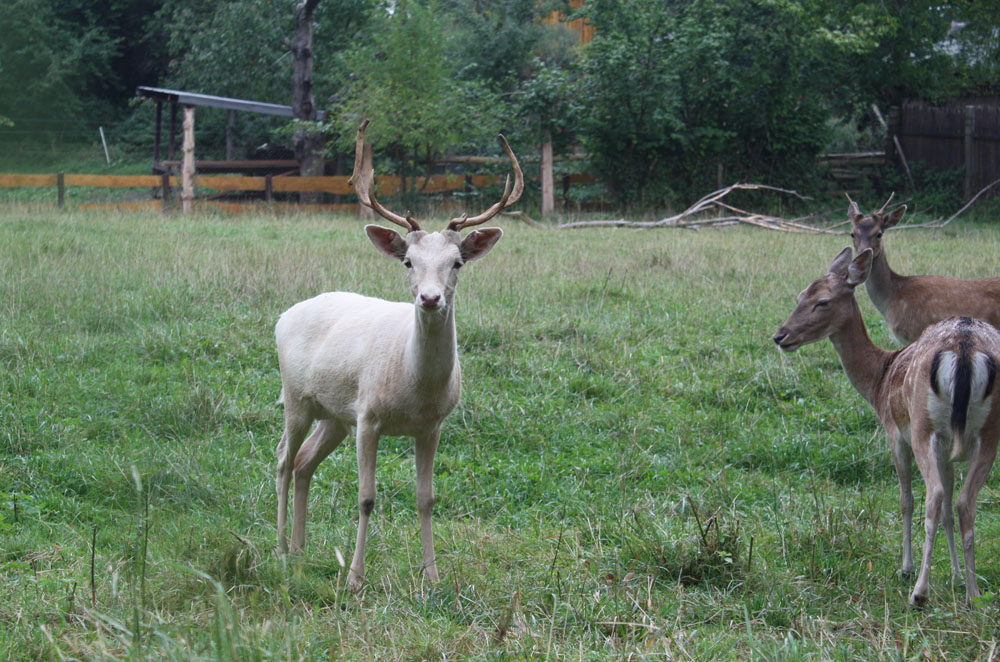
column 668, row 97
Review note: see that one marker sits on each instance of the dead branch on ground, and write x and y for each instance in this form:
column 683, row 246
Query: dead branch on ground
column 699, row 215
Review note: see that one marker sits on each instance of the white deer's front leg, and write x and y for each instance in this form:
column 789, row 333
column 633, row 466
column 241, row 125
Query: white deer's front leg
column 426, row 447
column 367, row 448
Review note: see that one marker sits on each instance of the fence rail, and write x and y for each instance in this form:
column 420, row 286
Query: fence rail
column 388, row 185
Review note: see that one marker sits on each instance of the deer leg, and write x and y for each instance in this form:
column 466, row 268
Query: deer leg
column 324, row 439
column 946, row 471
column 902, row 457
column 924, row 453
column 296, row 427
column 426, row 447
column 367, row 445
column 979, row 469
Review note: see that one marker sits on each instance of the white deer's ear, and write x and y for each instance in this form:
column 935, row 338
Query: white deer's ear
column 893, row 217
column 479, row 242
column 859, row 268
column 387, row 241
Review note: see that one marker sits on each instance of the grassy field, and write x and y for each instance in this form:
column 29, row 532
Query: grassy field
column 634, row 471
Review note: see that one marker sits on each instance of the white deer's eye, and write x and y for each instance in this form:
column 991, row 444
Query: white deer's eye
column 458, row 264
column 407, row 263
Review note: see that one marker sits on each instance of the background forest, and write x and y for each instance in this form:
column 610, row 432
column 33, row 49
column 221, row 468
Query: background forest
column 666, row 95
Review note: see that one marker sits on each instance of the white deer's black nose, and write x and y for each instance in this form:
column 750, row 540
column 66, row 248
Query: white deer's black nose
column 430, row 301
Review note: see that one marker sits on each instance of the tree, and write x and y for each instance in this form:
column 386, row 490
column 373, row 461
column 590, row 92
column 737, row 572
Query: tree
column 414, row 94
column 51, row 65
column 308, row 144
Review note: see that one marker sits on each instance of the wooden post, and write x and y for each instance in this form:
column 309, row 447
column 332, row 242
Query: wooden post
column 172, row 139
column 61, row 188
column 969, row 144
column 187, row 166
column 268, row 187
column 230, row 123
column 548, row 190
column 156, row 135
column 164, row 203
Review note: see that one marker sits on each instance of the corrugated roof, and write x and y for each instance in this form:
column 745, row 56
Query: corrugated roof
column 196, row 99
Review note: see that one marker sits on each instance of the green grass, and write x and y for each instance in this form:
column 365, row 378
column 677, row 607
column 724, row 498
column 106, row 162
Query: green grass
column 633, row 472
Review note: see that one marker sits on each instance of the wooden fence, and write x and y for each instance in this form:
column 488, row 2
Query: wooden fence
column 264, row 187
column 952, row 137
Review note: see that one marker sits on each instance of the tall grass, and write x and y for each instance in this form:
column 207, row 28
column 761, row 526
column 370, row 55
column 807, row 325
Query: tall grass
column 634, row 471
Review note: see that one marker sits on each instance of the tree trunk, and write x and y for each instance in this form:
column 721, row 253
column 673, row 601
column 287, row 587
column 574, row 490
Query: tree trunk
column 307, row 146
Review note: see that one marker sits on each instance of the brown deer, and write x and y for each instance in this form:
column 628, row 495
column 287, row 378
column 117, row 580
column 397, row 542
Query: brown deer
column 910, row 304
column 383, row 367
column 934, row 398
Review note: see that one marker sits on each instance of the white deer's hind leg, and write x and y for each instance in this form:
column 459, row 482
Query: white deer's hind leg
column 425, row 449
column 296, row 427
column 324, row 439
column 367, row 447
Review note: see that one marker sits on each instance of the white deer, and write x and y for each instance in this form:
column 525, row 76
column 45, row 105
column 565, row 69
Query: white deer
column 910, row 304
column 382, row 367
column 933, row 397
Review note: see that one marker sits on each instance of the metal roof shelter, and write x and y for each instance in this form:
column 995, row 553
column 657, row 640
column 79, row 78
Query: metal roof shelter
column 179, row 97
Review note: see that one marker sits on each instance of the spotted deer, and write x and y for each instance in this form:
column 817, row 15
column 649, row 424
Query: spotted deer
column 910, row 304
column 934, row 398
column 384, row 368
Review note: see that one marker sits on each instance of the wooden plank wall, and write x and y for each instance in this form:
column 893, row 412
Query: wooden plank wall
column 952, row 137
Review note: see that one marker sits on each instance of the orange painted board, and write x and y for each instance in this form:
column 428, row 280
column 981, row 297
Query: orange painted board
column 337, row 184
column 230, row 183
column 27, row 180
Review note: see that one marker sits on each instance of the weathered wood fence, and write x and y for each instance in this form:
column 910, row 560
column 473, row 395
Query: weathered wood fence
column 952, row 137
column 165, row 186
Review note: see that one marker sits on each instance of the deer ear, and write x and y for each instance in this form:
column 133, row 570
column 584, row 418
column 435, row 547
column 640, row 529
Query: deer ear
column 839, row 265
column 859, row 268
column 479, row 242
column 894, row 217
column 387, row 241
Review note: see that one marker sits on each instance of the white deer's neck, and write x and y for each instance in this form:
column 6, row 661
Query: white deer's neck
column 864, row 362
column 881, row 284
column 432, row 352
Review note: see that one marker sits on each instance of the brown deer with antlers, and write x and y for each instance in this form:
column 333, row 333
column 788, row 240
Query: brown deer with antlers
column 910, row 304
column 382, row 367
column 935, row 399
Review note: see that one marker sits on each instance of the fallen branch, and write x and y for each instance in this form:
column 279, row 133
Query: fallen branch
column 689, row 218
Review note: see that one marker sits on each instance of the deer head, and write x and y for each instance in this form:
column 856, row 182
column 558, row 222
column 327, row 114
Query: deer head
column 867, row 229
column 432, row 259
column 827, row 303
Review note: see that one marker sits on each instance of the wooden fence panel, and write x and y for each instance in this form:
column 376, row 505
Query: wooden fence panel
column 332, row 184
column 9, row 181
column 231, row 183
column 115, row 181
column 953, row 137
